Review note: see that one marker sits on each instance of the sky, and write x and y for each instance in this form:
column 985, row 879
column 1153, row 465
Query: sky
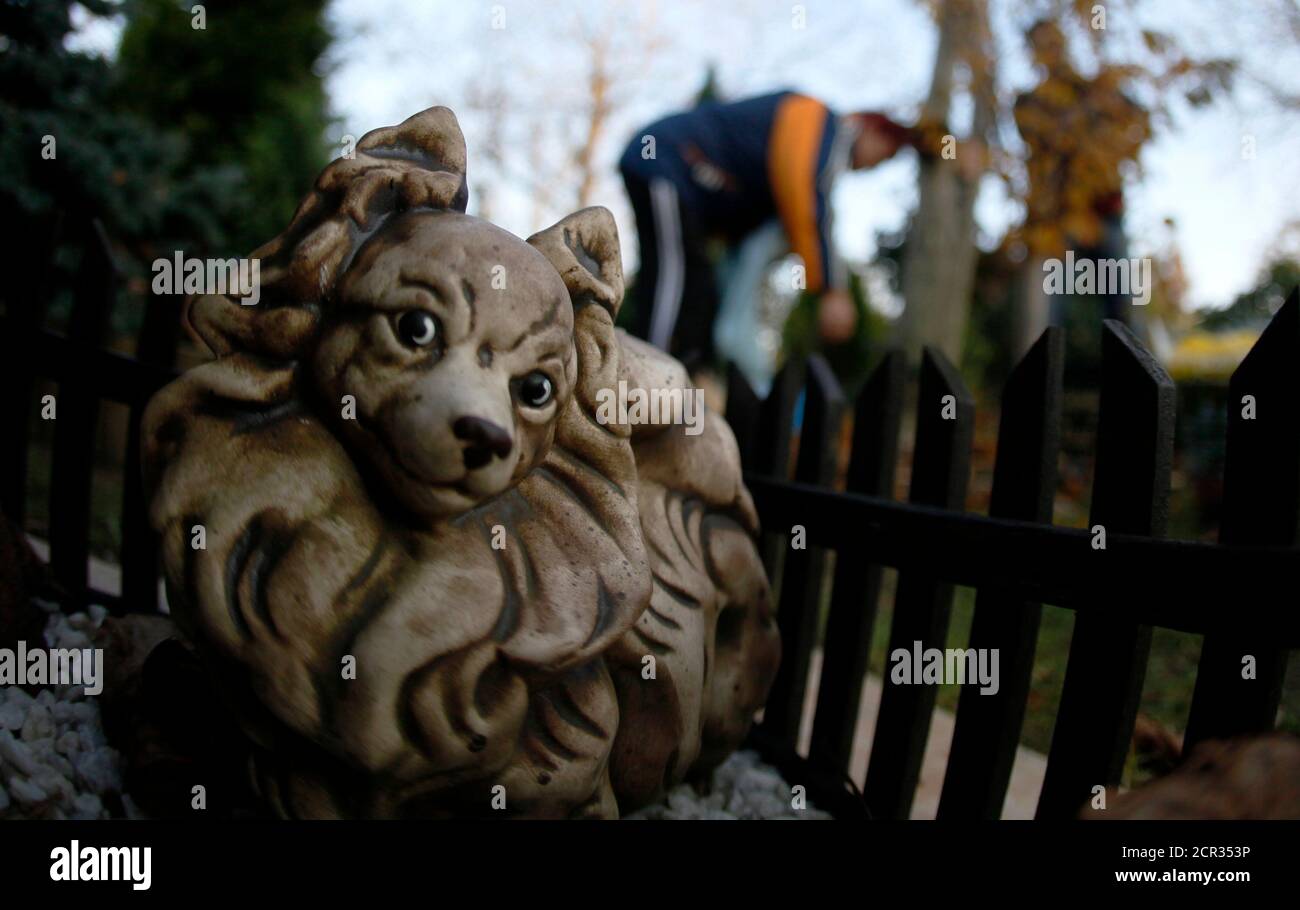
column 394, row 57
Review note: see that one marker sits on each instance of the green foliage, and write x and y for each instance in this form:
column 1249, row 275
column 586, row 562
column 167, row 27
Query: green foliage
column 709, row 90
column 1256, row 306
column 194, row 140
column 105, row 163
column 245, row 90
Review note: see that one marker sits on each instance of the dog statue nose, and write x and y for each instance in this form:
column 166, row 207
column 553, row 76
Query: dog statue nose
column 485, row 439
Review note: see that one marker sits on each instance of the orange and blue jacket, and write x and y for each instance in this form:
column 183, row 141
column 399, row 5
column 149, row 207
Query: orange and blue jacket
column 736, row 165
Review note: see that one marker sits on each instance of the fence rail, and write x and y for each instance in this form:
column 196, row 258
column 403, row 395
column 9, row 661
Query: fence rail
column 86, row 375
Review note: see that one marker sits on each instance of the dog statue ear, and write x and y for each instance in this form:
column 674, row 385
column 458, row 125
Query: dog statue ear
column 228, row 327
column 584, row 249
column 419, row 163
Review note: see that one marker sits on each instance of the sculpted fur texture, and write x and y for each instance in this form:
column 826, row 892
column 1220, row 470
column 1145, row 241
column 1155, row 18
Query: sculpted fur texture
column 432, row 582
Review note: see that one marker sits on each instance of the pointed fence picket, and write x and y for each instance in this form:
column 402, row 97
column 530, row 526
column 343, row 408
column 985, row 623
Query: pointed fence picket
column 945, row 426
column 855, row 590
column 1108, row 653
column 1024, row 483
column 1261, row 506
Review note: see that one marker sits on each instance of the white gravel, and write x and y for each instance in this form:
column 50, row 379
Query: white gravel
column 742, row 787
column 54, row 760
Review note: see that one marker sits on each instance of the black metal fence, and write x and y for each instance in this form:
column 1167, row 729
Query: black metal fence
column 1241, row 594
column 86, row 375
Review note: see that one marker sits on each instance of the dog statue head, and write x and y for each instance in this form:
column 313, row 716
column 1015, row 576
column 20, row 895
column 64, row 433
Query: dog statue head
column 441, row 345
column 456, row 341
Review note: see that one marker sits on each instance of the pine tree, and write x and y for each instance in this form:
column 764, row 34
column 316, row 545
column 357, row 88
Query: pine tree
column 245, row 89
column 65, row 148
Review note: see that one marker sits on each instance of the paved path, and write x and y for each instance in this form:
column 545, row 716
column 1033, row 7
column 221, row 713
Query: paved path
column 1026, row 772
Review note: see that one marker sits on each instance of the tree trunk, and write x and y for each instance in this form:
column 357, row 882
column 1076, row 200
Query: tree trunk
column 1031, row 310
column 598, row 90
column 939, row 257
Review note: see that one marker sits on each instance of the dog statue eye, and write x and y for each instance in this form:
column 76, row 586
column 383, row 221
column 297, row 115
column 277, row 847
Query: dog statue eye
column 417, row 328
column 535, row 390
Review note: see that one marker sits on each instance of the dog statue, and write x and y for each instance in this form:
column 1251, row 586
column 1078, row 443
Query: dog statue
column 428, row 572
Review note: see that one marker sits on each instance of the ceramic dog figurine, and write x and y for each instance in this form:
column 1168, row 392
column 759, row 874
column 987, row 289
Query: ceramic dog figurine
column 428, row 571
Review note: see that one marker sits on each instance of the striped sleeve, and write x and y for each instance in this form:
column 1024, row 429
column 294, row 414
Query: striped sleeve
column 793, row 162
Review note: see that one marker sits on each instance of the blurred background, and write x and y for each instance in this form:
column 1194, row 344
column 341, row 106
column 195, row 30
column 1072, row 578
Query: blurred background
column 199, row 128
